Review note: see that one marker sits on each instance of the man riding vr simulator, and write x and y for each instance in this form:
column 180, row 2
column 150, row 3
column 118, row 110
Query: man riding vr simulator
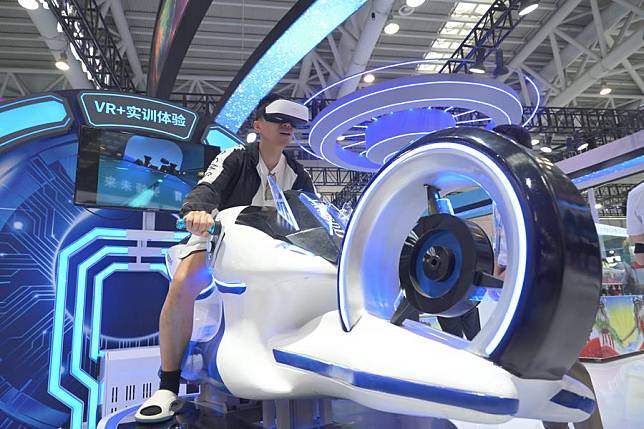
column 237, row 177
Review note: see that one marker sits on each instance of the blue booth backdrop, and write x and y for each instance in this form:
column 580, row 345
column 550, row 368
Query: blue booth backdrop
column 71, row 280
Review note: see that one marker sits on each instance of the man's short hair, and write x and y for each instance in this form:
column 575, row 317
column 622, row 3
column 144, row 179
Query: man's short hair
column 259, row 111
column 516, row 133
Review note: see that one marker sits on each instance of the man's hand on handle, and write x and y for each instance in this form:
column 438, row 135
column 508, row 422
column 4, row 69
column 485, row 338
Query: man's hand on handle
column 198, row 222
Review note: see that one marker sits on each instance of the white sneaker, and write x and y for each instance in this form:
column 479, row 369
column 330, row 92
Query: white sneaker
column 157, row 408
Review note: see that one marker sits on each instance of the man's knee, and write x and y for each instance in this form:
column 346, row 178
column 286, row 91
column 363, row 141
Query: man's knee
column 191, row 276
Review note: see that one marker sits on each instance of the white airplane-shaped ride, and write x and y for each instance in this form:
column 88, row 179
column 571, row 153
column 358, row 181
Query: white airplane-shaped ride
column 303, row 305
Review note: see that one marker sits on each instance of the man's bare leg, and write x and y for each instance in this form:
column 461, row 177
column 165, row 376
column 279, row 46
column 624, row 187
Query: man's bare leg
column 175, row 324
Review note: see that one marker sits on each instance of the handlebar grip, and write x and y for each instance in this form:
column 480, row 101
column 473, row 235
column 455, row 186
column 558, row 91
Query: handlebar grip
column 181, row 224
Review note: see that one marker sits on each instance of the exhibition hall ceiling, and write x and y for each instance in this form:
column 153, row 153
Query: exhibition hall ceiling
column 233, row 29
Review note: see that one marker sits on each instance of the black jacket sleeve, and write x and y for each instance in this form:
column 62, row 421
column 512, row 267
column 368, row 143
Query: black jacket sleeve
column 303, row 181
column 207, row 195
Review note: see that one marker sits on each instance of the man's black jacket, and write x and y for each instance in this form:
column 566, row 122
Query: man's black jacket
column 232, row 180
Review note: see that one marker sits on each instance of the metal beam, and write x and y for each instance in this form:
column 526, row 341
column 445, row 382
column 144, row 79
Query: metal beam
column 318, row 71
column 578, row 45
column 634, row 75
column 555, row 53
column 337, row 59
column 536, row 40
column 637, row 10
column 55, row 83
column 46, row 23
column 599, row 27
column 368, row 38
column 614, row 57
column 611, row 16
column 126, row 37
column 3, row 88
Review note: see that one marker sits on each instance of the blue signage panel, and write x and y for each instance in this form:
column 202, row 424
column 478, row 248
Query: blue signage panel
column 33, row 117
column 105, row 110
column 219, row 136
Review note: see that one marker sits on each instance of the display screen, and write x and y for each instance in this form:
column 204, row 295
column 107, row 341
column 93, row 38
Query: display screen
column 125, row 170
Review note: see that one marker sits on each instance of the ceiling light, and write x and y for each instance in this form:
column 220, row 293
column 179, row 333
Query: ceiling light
column 369, row 78
column 392, row 28
column 535, row 142
column 251, row 137
column 414, row 3
column 598, row 205
column 582, row 146
column 61, row 63
column 605, row 90
column 479, row 67
column 528, row 6
column 546, row 149
column 29, row 4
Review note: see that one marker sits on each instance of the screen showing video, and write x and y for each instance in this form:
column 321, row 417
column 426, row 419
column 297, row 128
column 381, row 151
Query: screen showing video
column 122, row 170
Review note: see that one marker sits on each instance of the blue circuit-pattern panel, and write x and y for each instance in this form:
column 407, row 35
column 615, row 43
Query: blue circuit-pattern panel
column 37, row 222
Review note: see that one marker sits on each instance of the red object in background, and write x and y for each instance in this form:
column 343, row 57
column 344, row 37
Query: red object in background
column 608, row 352
column 592, row 349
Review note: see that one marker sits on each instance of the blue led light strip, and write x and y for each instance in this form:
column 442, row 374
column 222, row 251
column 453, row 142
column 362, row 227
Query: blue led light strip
column 97, row 297
column 537, row 105
column 55, row 365
column 97, row 303
column 78, row 334
column 32, row 116
column 300, row 38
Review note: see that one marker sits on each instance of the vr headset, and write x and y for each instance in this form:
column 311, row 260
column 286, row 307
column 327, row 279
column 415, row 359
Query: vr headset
column 286, row 111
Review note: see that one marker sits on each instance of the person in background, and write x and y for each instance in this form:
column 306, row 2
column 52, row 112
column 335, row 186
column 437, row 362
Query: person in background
column 635, row 223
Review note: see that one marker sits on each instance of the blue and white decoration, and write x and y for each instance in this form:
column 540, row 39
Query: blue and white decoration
column 322, row 17
column 364, row 108
column 73, row 282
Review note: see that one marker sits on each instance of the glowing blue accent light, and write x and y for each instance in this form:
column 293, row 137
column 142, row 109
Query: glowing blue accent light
column 232, row 288
column 53, row 386
column 538, row 104
column 282, row 206
column 180, row 236
column 392, row 154
column 99, row 279
column 217, row 136
column 158, row 130
column 315, row 24
column 631, row 164
column 471, row 121
column 30, row 116
column 394, row 131
column 320, row 212
column 55, row 367
column 181, row 224
column 353, row 144
column 465, row 113
column 77, row 335
column 97, row 304
column 325, row 138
